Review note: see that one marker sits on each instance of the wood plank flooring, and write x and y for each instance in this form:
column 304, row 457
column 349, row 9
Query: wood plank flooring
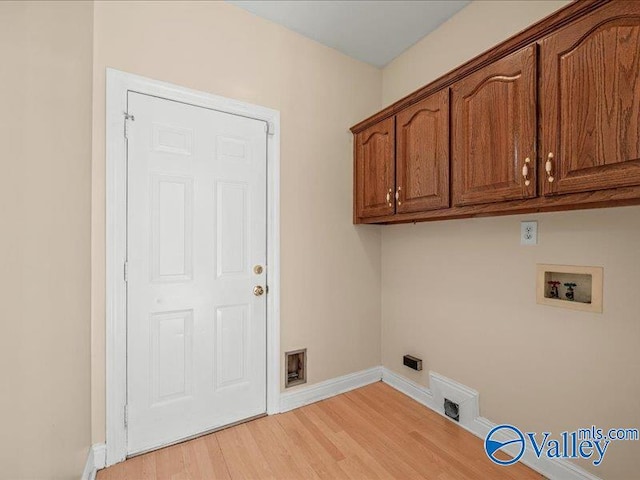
column 374, row 432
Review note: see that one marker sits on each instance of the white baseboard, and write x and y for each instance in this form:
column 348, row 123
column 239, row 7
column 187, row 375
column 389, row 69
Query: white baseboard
column 314, row 393
column 410, row 388
column 441, row 387
column 96, row 459
column 470, row 420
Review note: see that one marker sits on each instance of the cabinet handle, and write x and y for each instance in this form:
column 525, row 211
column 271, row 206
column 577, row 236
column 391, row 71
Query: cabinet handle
column 525, row 171
column 398, row 195
column 548, row 166
column 389, row 197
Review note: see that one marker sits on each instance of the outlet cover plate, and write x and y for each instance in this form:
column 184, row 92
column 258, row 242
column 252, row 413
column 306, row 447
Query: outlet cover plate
column 529, row 233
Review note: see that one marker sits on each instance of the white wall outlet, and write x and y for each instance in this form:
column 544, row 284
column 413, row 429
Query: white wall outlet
column 528, row 233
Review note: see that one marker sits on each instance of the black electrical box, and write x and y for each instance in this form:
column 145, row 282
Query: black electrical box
column 412, row 362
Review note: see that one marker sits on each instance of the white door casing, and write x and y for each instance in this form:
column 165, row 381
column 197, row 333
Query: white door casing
column 180, row 321
column 196, row 355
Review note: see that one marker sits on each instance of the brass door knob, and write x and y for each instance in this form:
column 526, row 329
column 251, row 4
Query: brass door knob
column 258, row 290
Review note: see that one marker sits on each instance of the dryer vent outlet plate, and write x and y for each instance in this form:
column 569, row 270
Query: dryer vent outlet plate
column 452, row 410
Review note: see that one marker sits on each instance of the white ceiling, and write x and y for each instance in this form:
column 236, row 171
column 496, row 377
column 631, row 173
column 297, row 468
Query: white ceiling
column 375, row 31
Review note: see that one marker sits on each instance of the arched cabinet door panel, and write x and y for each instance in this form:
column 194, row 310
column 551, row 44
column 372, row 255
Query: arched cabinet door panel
column 590, row 102
column 375, row 170
column 494, row 131
column 422, row 149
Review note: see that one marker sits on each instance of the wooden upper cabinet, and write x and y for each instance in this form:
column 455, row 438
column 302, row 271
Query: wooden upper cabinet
column 494, row 131
column 590, row 102
column 375, row 170
column 422, row 155
column 547, row 120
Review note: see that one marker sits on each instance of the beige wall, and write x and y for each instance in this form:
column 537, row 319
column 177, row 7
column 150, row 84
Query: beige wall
column 45, row 131
column 461, row 294
column 330, row 269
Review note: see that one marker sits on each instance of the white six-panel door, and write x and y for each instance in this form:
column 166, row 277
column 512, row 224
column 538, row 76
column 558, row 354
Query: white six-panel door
column 196, row 330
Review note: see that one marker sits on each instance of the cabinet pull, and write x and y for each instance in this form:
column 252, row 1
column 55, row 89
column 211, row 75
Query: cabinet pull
column 549, row 167
column 525, row 171
column 398, row 195
column 389, row 197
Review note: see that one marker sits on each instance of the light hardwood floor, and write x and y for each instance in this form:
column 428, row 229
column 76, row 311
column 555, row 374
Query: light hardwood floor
column 374, row 432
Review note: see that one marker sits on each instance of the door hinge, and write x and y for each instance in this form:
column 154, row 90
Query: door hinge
column 270, row 128
column 127, row 118
column 126, row 415
column 126, row 271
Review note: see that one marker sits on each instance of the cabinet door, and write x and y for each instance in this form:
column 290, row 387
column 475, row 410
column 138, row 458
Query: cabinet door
column 375, row 170
column 422, row 155
column 494, row 131
column 590, row 102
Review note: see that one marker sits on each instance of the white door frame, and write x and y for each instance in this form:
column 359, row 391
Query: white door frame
column 118, row 85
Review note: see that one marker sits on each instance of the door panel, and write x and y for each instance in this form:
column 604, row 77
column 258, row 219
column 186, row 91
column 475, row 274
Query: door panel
column 171, row 355
column 422, row 161
column 171, row 228
column 231, row 354
column 196, row 339
column 375, row 170
column 232, row 248
column 590, row 106
column 494, row 131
